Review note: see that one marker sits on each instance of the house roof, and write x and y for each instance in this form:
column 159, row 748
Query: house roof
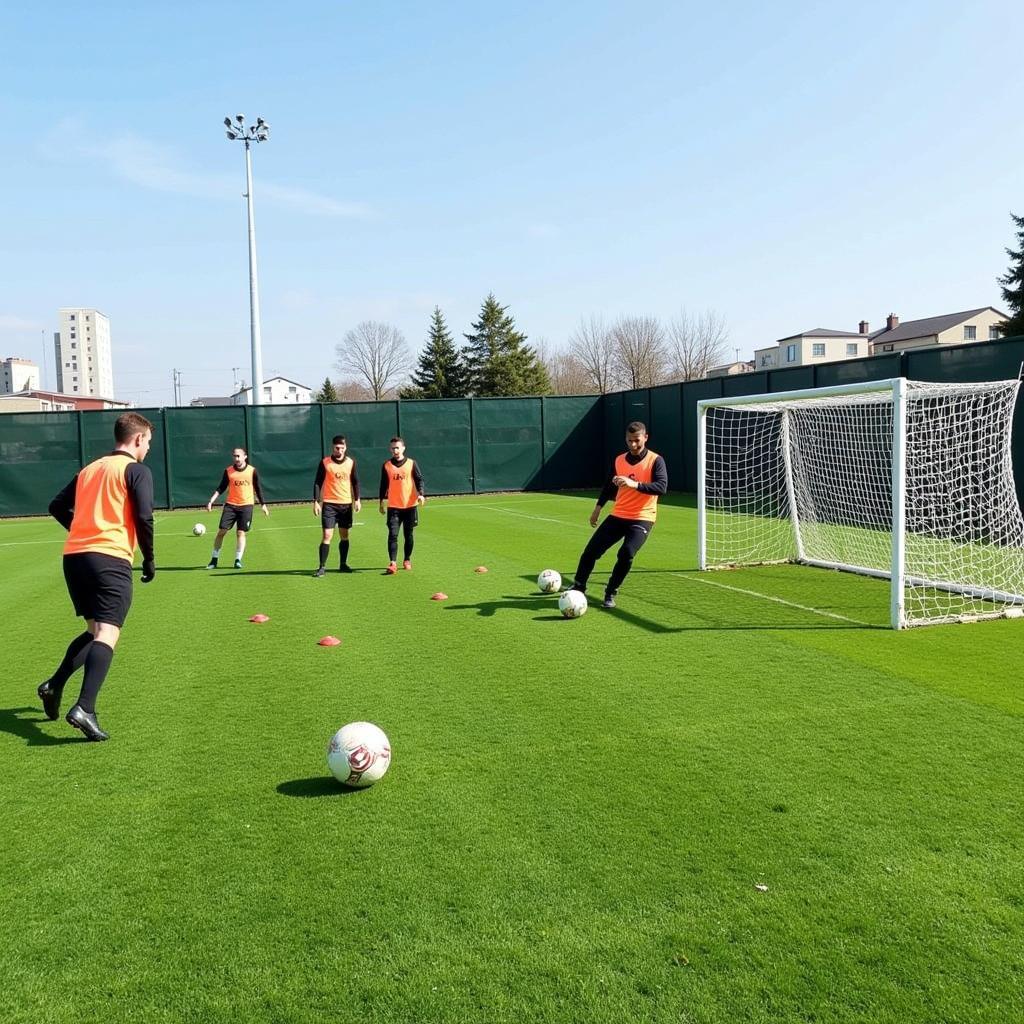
column 270, row 380
column 928, row 326
column 211, row 401
column 823, row 332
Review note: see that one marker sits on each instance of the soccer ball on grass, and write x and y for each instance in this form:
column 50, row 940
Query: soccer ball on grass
column 549, row 582
column 572, row 604
column 359, row 754
column 199, row 529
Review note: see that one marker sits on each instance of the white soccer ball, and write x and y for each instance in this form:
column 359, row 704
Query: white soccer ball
column 359, row 754
column 549, row 582
column 572, row 604
column 199, row 529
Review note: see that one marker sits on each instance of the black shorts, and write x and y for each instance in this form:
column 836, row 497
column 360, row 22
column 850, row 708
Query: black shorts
column 406, row 517
column 240, row 515
column 100, row 586
column 332, row 515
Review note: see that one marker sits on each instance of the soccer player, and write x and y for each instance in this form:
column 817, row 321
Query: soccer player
column 401, row 492
column 240, row 483
column 335, row 495
column 639, row 478
column 106, row 509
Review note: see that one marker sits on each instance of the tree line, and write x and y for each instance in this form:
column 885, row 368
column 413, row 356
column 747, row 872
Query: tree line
column 630, row 352
column 495, row 359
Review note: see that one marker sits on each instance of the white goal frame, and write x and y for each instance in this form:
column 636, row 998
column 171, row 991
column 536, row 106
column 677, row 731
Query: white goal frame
column 1007, row 600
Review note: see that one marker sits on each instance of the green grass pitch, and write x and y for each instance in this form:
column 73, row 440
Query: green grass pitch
column 705, row 806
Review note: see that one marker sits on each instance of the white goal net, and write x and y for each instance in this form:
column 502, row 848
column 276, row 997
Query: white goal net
column 904, row 480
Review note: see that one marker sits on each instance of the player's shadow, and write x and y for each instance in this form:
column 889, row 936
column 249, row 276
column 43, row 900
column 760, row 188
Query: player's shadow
column 516, row 602
column 314, row 786
column 14, row 723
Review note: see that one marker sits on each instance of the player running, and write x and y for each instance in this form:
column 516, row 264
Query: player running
column 240, row 484
column 107, row 508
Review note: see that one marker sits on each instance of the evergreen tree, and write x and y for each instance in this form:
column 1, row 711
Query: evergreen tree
column 439, row 372
column 327, row 394
column 498, row 361
column 1013, row 286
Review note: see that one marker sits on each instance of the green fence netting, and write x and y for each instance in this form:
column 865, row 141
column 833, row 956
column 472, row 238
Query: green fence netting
column 462, row 445
column 39, row 454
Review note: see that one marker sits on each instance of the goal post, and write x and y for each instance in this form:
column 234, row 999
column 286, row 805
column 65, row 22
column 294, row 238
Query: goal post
column 904, row 480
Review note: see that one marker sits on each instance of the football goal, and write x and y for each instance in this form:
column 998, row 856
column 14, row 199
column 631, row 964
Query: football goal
column 904, row 480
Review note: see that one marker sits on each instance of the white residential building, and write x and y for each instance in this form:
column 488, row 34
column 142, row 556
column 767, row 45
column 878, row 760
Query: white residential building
column 82, row 353
column 18, row 375
column 818, row 346
column 276, row 391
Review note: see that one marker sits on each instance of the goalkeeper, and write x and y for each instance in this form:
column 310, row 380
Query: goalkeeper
column 639, row 478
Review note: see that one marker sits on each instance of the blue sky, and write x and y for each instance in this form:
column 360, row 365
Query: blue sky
column 790, row 166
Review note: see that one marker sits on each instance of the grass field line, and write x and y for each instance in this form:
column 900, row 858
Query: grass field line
column 770, row 597
column 524, row 515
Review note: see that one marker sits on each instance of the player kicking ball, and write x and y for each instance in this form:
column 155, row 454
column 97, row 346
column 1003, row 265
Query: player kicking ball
column 240, row 484
column 401, row 494
column 639, row 478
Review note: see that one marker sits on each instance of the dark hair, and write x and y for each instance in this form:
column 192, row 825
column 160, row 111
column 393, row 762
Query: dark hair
column 339, row 439
column 241, row 448
column 400, row 440
column 128, row 425
column 636, row 427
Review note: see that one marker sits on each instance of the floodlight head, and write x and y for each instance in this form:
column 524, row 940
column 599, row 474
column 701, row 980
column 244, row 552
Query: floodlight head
column 259, row 121
column 231, row 135
column 240, row 118
column 227, row 121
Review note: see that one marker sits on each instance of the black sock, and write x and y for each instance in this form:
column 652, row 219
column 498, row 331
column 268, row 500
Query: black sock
column 74, row 659
column 343, row 552
column 97, row 664
column 408, row 548
column 325, row 550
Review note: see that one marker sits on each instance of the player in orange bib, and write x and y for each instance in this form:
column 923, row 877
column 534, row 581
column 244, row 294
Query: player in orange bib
column 401, row 494
column 639, row 478
column 335, row 497
column 240, row 486
column 106, row 509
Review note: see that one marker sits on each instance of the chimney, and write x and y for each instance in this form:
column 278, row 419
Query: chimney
column 892, row 321
column 865, row 327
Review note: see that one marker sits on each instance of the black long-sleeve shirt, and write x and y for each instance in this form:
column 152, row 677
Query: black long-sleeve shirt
column 321, row 477
column 417, row 477
column 658, row 484
column 256, row 489
column 140, row 492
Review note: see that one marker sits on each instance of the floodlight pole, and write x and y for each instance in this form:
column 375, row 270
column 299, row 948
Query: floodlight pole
column 259, row 132
column 254, row 290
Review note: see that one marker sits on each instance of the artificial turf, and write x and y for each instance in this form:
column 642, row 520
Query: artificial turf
column 578, row 815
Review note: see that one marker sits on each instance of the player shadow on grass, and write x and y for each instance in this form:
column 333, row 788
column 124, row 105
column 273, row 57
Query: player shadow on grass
column 536, row 602
column 314, row 786
column 520, row 602
column 12, row 722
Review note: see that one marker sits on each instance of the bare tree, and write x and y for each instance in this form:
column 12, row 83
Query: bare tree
column 696, row 343
column 593, row 347
column 376, row 354
column 641, row 353
column 352, row 391
column 566, row 372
